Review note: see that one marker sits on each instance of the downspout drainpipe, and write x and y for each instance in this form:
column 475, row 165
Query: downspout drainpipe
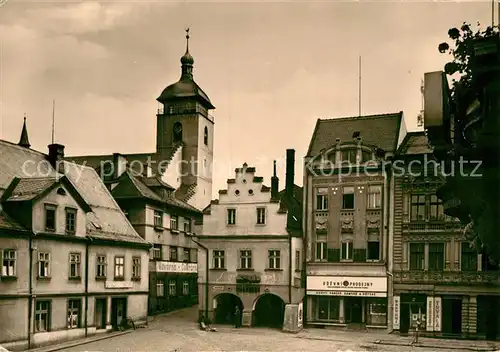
column 290, row 274
column 87, row 244
column 30, row 288
column 207, row 262
column 388, row 241
column 305, row 242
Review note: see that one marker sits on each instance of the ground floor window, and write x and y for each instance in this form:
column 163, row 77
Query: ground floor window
column 74, row 310
column 42, row 316
column 326, row 308
column 376, row 311
column 185, row 288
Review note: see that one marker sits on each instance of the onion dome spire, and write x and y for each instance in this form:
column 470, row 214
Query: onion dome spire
column 187, row 61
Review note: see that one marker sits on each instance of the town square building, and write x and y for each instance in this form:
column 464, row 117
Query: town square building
column 346, row 220
column 72, row 265
column 253, row 238
column 439, row 278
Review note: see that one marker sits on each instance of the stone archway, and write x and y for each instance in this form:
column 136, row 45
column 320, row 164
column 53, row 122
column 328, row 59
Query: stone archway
column 268, row 311
column 224, row 306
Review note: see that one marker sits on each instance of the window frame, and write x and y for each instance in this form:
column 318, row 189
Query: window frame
column 69, row 316
column 158, row 219
column 185, row 291
column 347, row 254
column 171, row 250
column 231, row 220
column 346, row 192
column 39, row 312
column 350, row 152
column 321, row 251
column 136, row 268
column 47, row 208
column 10, row 260
column 274, row 259
column 174, row 223
column 321, row 202
column 101, row 265
column 418, row 204
column 70, row 211
column 368, row 259
column 219, row 259
column 172, row 288
column 77, row 263
column 419, row 255
column 298, row 263
column 188, row 252
column 160, row 285
column 43, row 263
column 433, row 262
column 156, row 252
column 376, row 202
column 245, row 259
column 471, row 251
column 261, row 216
column 117, row 266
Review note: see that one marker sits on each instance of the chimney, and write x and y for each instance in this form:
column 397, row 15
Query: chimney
column 290, row 172
column 56, row 156
column 274, row 183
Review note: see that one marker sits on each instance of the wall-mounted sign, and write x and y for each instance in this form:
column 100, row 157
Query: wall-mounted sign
column 437, row 313
column 176, row 267
column 347, row 286
column 430, row 314
column 396, row 304
column 118, row 284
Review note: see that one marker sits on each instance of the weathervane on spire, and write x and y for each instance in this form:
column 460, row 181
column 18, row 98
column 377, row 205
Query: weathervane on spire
column 187, row 39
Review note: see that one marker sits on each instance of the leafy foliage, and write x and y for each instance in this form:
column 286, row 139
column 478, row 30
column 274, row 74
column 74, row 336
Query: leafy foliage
column 462, row 50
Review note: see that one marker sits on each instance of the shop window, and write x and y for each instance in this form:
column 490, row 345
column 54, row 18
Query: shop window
column 327, row 308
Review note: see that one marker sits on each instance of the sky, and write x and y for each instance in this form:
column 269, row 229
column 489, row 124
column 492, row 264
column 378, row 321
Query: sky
column 270, row 68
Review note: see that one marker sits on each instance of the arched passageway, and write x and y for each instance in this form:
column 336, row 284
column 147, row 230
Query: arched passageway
column 224, row 307
column 269, row 311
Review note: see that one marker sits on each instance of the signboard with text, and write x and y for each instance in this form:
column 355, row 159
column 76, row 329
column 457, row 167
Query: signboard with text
column 396, row 305
column 176, row 267
column 347, row 286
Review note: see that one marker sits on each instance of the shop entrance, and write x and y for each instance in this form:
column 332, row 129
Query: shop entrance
column 413, row 308
column 118, row 311
column 452, row 316
column 354, row 310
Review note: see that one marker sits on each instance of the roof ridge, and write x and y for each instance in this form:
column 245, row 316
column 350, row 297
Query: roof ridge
column 365, row 117
column 23, row 148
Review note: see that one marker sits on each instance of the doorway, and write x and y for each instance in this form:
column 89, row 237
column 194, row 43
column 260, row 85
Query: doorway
column 100, row 313
column 118, row 311
column 269, row 311
column 224, row 308
column 354, row 310
column 404, row 318
column 452, row 316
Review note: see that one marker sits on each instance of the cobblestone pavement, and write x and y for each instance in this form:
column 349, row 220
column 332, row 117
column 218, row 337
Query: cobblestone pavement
column 177, row 332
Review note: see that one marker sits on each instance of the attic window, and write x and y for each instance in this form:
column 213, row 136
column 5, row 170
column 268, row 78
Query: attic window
column 61, row 192
column 96, row 225
column 356, row 134
column 250, row 191
column 237, row 192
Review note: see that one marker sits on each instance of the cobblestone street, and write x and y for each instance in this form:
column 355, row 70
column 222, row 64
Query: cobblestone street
column 178, row 332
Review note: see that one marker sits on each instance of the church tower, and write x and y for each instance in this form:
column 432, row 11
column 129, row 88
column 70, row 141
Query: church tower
column 183, row 121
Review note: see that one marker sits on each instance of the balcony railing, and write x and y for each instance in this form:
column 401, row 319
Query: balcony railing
column 432, row 226
column 448, row 277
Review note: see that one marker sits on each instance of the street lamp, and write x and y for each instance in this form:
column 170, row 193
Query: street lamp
column 206, row 274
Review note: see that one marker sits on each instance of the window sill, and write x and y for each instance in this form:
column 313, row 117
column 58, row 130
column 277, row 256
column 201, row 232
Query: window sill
column 346, row 260
column 372, row 260
column 346, row 209
column 70, row 233
column 50, row 230
column 260, row 224
column 374, row 209
column 43, row 278
column 242, row 269
column 158, row 228
column 218, row 269
column 119, row 278
column 298, row 270
column 273, row 269
column 8, row 278
column 100, row 278
column 75, row 278
column 174, row 231
column 136, row 278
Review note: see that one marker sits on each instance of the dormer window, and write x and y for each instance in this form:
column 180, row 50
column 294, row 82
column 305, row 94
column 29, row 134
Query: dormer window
column 349, row 156
column 50, row 218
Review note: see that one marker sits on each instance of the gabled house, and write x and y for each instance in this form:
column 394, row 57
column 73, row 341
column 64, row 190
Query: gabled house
column 253, row 238
column 169, row 224
column 72, row 265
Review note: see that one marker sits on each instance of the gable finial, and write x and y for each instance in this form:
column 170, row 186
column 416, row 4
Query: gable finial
column 24, row 140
